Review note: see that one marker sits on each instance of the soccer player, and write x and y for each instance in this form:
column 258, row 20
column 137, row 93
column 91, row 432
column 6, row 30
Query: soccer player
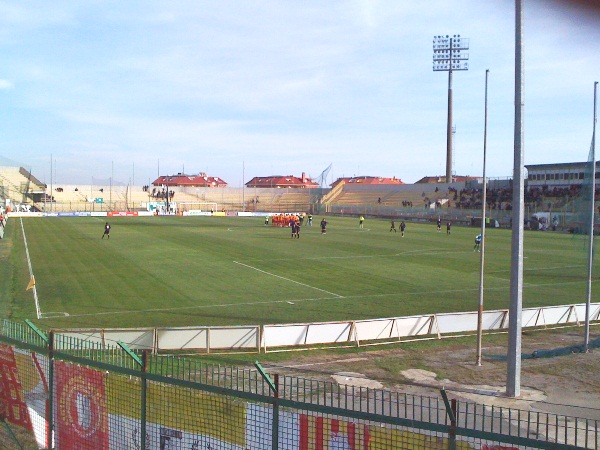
column 477, row 247
column 448, row 226
column 266, row 220
column 393, row 227
column 439, row 224
column 361, row 220
column 402, row 227
column 323, row 226
column 106, row 231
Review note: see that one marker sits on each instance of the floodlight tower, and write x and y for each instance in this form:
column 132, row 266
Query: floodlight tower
column 449, row 55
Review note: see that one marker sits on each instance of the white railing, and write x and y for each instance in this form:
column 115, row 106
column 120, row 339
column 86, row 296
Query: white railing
column 266, row 338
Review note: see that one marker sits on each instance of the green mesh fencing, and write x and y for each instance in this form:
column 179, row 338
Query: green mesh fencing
column 78, row 397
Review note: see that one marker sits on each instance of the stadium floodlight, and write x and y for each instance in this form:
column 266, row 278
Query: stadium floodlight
column 449, row 55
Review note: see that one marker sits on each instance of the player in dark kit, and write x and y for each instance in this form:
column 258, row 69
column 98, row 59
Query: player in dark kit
column 448, row 226
column 439, row 224
column 106, row 231
column 402, row 227
column 393, row 227
column 323, row 226
column 297, row 230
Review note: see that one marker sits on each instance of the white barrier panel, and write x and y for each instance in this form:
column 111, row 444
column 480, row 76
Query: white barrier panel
column 230, row 338
column 94, row 338
column 331, row 332
column 594, row 312
column 456, row 323
column 494, row 320
column 531, row 318
column 179, row 339
column 414, row 326
column 371, row 330
column 249, row 337
column 280, row 335
column 206, row 338
column 135, row 339
column 559, row 314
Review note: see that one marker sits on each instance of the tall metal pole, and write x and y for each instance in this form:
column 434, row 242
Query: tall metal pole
column 51, row 186
column 586, row 343
column 482, row 260
column 448, row 54
column 449, row 126
column 112, row 174
column 513, row 377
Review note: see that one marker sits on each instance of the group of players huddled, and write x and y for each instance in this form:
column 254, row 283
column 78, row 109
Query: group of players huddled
column 285, row 220
column 294, row 221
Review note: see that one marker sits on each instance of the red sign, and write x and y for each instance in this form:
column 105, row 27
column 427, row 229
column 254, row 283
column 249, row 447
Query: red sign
column 81, row 416
column 121, row 213
column 12, row 402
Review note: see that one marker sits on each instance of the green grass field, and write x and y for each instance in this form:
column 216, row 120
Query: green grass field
column 184, row 271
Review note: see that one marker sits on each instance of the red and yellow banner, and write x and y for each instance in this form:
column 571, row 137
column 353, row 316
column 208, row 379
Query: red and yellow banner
column 12, row 402
column 318, row 433
column 81, row 416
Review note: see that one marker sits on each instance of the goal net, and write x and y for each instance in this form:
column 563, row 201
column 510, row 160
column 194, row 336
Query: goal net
column 189, row 208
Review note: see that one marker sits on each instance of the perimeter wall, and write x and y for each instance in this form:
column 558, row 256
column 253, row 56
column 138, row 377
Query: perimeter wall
column 265, row 338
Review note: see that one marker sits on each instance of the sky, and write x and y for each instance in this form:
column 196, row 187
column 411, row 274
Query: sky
column 236, row 89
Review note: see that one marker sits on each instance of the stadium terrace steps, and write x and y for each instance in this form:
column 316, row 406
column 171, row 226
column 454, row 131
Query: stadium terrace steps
column 393, row 198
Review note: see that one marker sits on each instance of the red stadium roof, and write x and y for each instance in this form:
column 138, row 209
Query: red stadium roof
column 201, row 180
column 279, row 181
column 369, row 180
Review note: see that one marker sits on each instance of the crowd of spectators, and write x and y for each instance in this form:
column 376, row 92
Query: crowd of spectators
column 501, row 198
column 161, row 193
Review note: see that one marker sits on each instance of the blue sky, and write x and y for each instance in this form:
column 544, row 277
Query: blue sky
column 239, row 89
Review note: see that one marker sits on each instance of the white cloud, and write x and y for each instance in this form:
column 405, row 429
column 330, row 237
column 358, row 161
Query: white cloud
column 284, row 85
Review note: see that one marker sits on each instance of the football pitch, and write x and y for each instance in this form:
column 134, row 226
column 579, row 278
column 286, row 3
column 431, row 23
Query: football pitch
column 193, row 271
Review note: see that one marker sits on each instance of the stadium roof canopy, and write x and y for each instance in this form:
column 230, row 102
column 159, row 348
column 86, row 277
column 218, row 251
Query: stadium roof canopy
column 367, row 180
column 201, row 180
column 279, row 181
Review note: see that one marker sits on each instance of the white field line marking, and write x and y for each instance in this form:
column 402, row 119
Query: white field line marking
column 50, row 315
column 288, row 279
column 316, row 299
column 35, row 296
column 40, row 315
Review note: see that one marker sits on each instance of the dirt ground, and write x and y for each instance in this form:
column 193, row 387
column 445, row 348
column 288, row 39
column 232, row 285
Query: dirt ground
column 556, row 377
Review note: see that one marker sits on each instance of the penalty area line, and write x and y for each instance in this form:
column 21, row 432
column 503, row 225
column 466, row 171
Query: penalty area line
column 288, row 279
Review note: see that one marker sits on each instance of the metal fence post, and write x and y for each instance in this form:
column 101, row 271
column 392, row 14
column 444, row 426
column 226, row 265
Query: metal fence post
column 451, row 411
column 143, row 364
column 274, row 385
column 144, row 384
column 50, row 401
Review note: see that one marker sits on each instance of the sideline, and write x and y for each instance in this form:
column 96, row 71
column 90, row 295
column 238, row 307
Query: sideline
column 38, row 311
column 35, row 296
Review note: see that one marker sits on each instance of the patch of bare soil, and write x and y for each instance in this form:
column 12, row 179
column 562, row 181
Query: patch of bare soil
column 556, row 377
